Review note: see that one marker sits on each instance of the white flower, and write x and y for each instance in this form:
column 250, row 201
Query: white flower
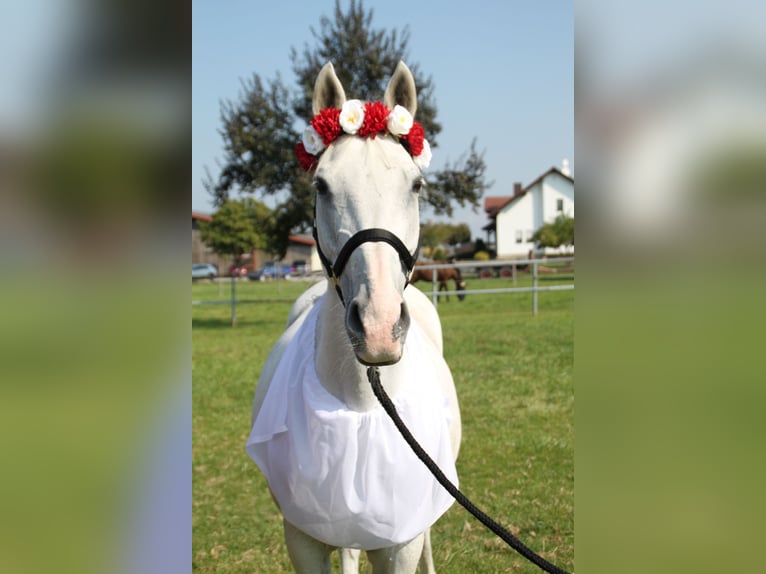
column 312, row 140
column 399, row 121
column 352, row 116
column 424, row 159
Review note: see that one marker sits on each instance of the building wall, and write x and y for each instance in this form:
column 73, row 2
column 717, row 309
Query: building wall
column 515, row 218
column 302, row 252
column 201, row 253
column 556, row 187
column 529, row 212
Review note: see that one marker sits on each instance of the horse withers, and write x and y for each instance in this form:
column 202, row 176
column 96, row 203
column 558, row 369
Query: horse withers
column 443, row 276
column 336, row 466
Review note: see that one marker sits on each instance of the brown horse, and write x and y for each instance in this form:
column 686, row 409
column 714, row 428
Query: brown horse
column 442, row 276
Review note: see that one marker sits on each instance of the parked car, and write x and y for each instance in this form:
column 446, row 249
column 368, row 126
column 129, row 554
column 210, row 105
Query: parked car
column 204, row 271
column 271, row 271
column 239, row 270
column 300, row 267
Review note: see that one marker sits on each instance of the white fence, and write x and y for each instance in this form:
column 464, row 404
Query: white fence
column 505, row 268
column 508, row 269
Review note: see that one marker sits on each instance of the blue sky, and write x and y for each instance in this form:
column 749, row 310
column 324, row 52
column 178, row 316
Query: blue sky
column 503, row 72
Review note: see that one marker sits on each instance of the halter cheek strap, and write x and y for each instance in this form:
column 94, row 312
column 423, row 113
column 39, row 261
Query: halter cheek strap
column 373, row 235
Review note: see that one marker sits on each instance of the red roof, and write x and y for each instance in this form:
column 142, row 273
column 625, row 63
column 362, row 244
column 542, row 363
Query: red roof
column 302, row 240
column 494, row 204
column 202, row 216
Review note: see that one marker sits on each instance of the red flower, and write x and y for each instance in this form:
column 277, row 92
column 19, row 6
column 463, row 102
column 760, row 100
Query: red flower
column 375, row 118
column 327, row 125
column 414, row 139
column 305, row 159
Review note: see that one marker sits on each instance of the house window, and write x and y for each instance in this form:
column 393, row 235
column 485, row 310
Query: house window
column 519, row 238
column 528, row 235
column 560, row 205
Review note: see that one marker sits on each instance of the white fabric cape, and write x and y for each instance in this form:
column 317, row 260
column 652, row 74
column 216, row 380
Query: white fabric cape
column 348, row 478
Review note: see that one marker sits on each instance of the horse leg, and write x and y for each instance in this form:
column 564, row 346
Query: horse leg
column 426, row 558
column 399, row 559
column 349, row 561
column 444, row 287
column 308, row 555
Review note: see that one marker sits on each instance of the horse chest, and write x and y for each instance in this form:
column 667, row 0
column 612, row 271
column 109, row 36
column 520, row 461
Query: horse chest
column 347, row 478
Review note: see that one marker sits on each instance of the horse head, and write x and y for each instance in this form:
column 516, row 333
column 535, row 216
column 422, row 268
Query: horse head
column 460, row 288
column 367, row 215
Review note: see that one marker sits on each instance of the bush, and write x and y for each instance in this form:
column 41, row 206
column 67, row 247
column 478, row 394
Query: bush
column 481, row 256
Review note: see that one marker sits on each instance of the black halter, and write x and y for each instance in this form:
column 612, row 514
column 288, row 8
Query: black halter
column 374, row 235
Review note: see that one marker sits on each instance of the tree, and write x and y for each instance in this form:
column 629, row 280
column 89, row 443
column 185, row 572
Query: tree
column 460, row 233
column 238, row 227
column 433, row 235
column 556, row 233
column 260, row 129
column 461, row 181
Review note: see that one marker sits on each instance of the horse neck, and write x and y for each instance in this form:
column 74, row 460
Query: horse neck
column 336, row 365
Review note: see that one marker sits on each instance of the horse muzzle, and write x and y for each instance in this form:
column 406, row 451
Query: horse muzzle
column 377, row 332
column 376, row 323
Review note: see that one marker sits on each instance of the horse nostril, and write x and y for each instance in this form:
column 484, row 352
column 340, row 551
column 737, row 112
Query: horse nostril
column 403, row 323
column 354, row 319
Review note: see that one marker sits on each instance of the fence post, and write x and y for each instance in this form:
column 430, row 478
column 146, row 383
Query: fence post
column 534, row 285
column 435, row 297
column 233, row 301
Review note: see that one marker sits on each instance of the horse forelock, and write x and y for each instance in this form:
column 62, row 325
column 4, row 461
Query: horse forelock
column 381, row 151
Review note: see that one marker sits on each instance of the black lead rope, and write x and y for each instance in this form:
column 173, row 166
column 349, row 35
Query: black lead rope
column 373, row 375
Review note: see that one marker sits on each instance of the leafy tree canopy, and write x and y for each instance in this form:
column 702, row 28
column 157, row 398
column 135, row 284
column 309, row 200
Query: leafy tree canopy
column 238, row 227
column 260, row 130
column 556, row 233
column 433, row 235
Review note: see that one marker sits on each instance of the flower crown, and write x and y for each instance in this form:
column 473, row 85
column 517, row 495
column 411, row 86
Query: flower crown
column 367, row 120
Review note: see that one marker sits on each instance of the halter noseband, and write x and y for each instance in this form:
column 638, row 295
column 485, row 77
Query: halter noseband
column 373, row 235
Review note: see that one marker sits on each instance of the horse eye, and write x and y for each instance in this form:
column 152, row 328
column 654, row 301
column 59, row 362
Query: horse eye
column 418, row 184
column 321, row 186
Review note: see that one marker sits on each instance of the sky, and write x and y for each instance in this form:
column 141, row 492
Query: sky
column 503, row 73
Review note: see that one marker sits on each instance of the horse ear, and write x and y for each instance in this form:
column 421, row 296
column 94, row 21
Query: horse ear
column 401, row 89
column 328, row 91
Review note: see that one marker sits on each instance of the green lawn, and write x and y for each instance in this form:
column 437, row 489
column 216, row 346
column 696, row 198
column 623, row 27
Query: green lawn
column 513, row 373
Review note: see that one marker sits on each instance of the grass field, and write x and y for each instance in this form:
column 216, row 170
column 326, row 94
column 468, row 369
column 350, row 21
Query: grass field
column 513, row 373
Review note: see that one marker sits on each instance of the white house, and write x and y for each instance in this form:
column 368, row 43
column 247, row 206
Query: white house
column 514, row 218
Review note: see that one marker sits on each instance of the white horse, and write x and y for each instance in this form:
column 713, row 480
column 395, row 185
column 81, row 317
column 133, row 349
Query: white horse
column 341, row 475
